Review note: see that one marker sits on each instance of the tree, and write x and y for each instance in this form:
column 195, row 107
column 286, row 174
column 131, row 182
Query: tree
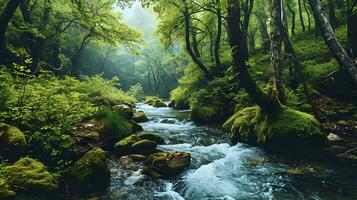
column 301, row 15
column 240, row 68
column 5, row 18
column 345, row 62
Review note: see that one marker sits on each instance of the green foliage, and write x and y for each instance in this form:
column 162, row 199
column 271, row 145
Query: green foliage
column 104, row 92
column 115, row 123
column 47, row 109
column 136, row 91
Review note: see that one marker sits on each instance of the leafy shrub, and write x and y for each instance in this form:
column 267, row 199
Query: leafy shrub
column 47, row 109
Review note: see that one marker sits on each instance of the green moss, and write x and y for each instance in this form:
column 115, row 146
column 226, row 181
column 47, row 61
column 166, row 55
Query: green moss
column 153, row 137
column 206, row 113
column 30, row 175
column 144, row 147
column 241, row 124
column 5, row 192
column 155, row 101
column 91, row 171
column 11, row 136
column 290, row 130
column 138, row 144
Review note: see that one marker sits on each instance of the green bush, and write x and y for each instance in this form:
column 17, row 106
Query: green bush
column 47, row 109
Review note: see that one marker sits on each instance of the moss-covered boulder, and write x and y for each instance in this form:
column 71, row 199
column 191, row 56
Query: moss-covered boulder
column 140, row 117
column 288, row 131
column 144, row 147
column 30, row 175
column 166, row 164
column 91, row 172
column 5, row 192
column 11, row 136
column 153, row 137
column 138, row 144
column 127, row 111
column 155, row 101
column 136, row 127
column 207, row 113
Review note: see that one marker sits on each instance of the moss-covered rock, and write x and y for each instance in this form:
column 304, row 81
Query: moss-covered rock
column 30, row 175
column 138, row 144
column 91, row 172
column 153, row 137
column 140, row 117
column 144, row 147
column 11, row 136
column 5, row 192
column 288, row 132
column 127, row 111
column 155, row 101
column 207, row 113
column 165, row 164
column 136, row 127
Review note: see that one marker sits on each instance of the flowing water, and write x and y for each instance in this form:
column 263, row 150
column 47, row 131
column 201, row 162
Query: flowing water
column 225, row 172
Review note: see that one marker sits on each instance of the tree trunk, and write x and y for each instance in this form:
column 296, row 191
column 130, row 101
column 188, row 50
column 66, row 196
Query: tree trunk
column 194, row 43
column 4, row 22
column 264, row 34
column 292, row 17
column 188, row 44
column 218, row 37
column 345, row 62
column 332, row 14
column 308, row 16
column 240, row 68
column 301, row 16
column 247, row 12
column 352, row 31
column 276, row 19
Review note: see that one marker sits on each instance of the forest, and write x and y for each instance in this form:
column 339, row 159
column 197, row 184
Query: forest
column 178, row 99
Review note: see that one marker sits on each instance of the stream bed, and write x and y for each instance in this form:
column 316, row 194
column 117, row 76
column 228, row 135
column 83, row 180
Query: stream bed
column 220, row 171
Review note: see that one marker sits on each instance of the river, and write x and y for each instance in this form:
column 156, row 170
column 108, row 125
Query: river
column 220, row 171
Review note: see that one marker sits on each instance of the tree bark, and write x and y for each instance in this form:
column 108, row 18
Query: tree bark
column 332, row 14
column 188, row 45
column 264, row 34
column 292, row 17
column 301, row 16
column 276, row 22
column 5, row 18
column 345, row 62
column 240, row 68
column 352, row 30
column 308, row 16
column 219, row 34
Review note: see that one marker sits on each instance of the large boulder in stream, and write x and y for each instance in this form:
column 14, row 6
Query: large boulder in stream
column 155, row 101
column 166, row 164
column 91, row 172
column 140, row 117
column 287, row 132
column 30, row 175
column 144, row 144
